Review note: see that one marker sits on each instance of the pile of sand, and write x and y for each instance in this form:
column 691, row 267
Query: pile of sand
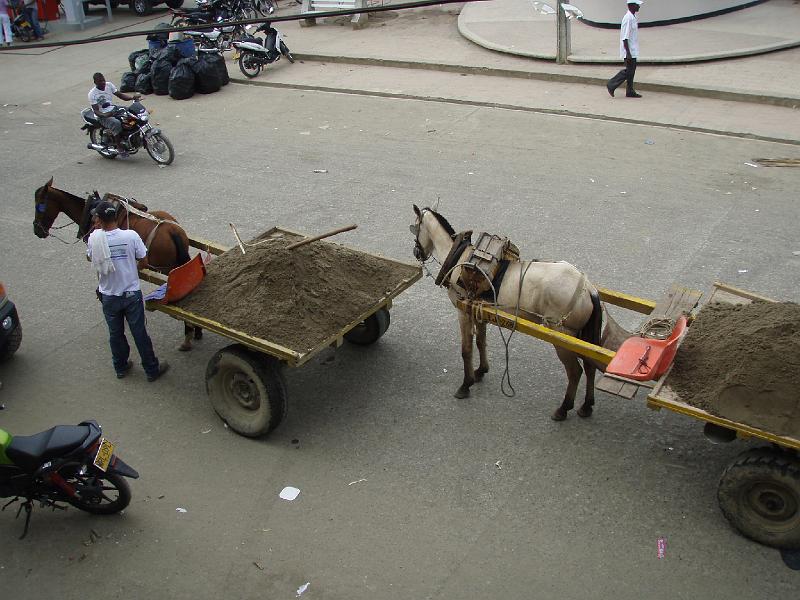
column 742, row 362
column 296, row 298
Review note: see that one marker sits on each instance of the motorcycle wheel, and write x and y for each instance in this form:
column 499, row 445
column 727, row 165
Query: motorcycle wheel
column 160, row 149
column 96, row 135
column 249, row 65
column 174, row 3
column 265, row 7
column 98, row 493
column 286, row 53
column 25, row 35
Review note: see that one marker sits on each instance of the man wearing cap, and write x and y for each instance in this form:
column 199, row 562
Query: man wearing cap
column 628, row 50
column 115, row 254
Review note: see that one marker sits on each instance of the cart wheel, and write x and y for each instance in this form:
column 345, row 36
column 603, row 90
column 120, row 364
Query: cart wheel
column 759, row 493
column 371, row 329
column 247, row 390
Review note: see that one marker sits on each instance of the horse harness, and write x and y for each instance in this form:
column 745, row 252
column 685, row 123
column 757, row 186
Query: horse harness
column 131, row 206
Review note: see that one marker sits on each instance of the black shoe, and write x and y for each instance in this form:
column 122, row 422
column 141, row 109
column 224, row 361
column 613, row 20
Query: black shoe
column 125, row 370
column 163, row 367
column 610, row 90
column 633, row 95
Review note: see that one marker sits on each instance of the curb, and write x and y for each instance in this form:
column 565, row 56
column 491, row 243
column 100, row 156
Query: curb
column 713, row 93
column 544, row 111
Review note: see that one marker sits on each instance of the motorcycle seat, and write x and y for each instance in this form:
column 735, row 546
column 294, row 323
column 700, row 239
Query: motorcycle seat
column 88, row 115
column 28, row 452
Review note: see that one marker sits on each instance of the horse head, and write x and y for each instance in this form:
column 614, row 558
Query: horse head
column 426, row 220
column 45, row 213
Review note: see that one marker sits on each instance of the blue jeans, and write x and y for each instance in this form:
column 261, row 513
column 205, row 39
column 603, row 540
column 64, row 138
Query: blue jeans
column 32, row 12
column 130, row 307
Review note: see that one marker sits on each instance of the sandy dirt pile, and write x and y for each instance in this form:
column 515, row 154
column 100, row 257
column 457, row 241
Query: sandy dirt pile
column 296, row 298
column 742, row 362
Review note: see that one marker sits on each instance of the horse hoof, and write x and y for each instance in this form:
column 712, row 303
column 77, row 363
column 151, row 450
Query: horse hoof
column 480, row 373
column 559, row 415
column 585, row 411
column 461, row 393
column 185, row 347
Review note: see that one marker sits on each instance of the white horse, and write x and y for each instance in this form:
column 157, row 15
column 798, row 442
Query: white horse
column 554, row 294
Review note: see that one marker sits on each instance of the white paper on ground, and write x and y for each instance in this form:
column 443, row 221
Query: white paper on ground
column 289, row 493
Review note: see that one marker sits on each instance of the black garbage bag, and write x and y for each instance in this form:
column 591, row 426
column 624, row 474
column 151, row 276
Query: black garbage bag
column 181, row 80
column 128, row 82
column 134, row 55
column 141, row 63
column 170, row 53
column 216, row 59
column 159, row 75
column 159, row 36
column 144, row 85
column 207, row 76
column 145, row 67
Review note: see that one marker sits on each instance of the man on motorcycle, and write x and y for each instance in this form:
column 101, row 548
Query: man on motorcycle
column 100, row 97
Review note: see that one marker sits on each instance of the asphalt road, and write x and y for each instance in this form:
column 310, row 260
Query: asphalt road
column 405, row 491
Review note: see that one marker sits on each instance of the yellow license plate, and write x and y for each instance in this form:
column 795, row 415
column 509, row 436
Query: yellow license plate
column 104, row 454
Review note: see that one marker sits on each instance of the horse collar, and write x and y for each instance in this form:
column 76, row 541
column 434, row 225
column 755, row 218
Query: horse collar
column 460, row 243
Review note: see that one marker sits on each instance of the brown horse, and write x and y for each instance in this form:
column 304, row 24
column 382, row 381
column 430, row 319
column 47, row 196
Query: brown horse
column 553, row 293
column 167, row 242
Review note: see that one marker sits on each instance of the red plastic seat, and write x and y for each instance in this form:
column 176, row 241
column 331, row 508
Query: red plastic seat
column 644, row 359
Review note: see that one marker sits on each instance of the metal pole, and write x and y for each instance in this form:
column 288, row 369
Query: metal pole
column 564, row 45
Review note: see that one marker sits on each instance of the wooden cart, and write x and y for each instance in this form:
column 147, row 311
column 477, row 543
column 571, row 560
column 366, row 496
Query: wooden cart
column 244, row 381
column 759, row 492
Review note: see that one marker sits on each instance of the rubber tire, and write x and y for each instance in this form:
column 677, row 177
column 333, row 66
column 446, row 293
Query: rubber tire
column 141, row 7
column 371, row 329
column 25, row 35
column 243, row 69
column 169, row 147
column 173, row 3
column 113, row 4
column 95, row 135
column 263, row 373
column 117, row 505
column 779, row 473
column 12, row 344
column 285, row 51
column 262, row 6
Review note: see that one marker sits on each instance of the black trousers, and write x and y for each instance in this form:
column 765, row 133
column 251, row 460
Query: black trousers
column 625, row 75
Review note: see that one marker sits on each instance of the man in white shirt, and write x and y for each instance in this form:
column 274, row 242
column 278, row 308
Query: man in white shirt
column 100, row 99
column 628, row 50
column 115, row 254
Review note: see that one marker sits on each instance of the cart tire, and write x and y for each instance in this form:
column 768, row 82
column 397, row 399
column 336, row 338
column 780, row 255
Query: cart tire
column 371, row 329
column 759, row 493
column 247, row 390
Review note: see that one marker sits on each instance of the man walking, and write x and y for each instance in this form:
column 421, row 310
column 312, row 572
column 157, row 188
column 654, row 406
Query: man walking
column 628, row 50
column 115, row 254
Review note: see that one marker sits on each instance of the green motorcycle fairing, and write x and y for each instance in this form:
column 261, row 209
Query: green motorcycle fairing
column 5, row 440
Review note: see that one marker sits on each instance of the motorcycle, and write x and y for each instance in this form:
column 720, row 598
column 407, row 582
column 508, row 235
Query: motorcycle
column 21, row 27
column 207, row 12
column 256, row 53
column 136, row 132
column 68, row 464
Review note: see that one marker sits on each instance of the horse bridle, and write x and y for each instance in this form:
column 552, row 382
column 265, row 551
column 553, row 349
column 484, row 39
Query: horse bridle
column 419, row 251
column 41, row 211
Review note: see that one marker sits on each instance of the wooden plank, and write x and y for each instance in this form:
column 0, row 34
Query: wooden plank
column 734, row 291
column 207, row 246
column 492, row 315
column 627, row 301
column 677, row 301
column 292, row 357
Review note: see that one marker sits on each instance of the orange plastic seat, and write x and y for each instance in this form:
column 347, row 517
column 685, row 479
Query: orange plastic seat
column 643, row 359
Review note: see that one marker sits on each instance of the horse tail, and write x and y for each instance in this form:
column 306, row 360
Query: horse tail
column 181, row 249
column 592, row 331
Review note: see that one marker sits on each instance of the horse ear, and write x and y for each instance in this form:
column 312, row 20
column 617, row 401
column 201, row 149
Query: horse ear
column 49, row 183
column 416, row 210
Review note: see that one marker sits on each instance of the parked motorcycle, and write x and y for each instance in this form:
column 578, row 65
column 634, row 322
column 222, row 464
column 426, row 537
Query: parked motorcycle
column 136, row 132
column 65, row 464
column 256, row 53
column 207, row 12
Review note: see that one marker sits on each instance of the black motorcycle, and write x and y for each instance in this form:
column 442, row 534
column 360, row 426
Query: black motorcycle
column 66, row 464
column 255, row 53
column 136, row 132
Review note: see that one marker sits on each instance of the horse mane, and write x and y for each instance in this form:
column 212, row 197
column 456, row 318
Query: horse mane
column 443, row 222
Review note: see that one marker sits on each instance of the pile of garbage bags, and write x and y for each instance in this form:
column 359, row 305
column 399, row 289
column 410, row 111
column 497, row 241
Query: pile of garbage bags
column 176, row 69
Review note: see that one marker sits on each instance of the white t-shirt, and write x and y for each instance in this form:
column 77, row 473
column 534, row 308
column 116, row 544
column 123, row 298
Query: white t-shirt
column 629, row 30
column 126, row 248
column 103, row 97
